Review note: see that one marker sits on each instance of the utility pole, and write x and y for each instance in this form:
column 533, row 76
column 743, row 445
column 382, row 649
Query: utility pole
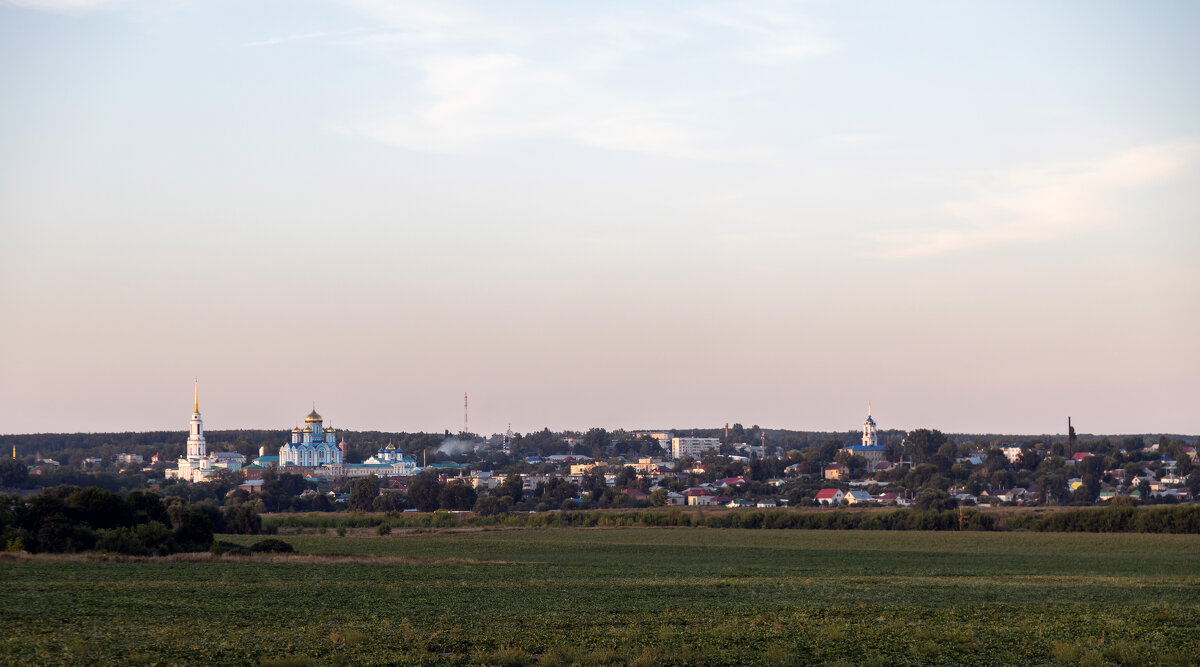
column 466, row 421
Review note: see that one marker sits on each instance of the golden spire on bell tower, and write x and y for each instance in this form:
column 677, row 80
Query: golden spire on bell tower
column 196, row 403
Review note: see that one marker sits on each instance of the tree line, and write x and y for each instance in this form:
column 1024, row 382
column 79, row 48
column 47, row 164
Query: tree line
column 67, row 519
column 1180, row 519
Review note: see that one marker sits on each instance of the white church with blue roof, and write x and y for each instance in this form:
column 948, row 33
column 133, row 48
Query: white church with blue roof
column 870, row 449
column 318, row 448
column 312, row 446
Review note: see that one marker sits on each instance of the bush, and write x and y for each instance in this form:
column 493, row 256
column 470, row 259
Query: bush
column 219, row 548
column 272, row 545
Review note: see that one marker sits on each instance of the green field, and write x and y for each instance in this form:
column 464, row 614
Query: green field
column 628, row 595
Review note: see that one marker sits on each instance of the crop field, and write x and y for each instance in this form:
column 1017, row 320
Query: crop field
column 621, row 596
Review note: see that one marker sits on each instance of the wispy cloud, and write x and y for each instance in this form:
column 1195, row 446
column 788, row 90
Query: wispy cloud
column 485, row 81
column 773, row 37
column 67, row 6
column 858, row 139
column 1039, row 205
column 435, row 23
column 471, row 102
column 302, row 37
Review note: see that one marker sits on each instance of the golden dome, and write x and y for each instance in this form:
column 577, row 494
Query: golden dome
column 313, row 418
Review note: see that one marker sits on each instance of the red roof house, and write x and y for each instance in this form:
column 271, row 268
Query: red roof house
column 830, row 496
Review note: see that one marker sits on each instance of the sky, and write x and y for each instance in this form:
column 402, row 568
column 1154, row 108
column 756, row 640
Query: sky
column 978, row 217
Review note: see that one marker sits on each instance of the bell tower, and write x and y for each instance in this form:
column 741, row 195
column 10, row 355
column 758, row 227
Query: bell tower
column 196, row 448
column 869, row 438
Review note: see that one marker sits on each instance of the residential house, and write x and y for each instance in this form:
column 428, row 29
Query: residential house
column 859, row 497
column 251, row 485
column 830, row 496
column 698, row 496
column 1015, row 494
column 836, row 471
column 888, row 498
column 583, row 468
column 637, row 494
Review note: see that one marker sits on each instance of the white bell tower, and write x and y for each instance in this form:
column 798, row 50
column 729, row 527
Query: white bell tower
column 870, row 438
column 195, row 442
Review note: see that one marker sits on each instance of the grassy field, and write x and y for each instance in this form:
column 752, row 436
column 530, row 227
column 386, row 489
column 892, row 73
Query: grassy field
column 630, row 595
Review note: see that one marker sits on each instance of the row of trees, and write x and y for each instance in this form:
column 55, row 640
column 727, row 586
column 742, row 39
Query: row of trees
column 70, row 519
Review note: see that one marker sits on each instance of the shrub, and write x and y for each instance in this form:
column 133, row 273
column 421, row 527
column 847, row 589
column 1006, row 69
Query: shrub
column 271, row 545
column 220, row 548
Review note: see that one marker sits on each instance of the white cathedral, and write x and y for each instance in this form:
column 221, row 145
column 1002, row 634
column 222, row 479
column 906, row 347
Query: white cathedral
column 199, row 465
column 312, row 446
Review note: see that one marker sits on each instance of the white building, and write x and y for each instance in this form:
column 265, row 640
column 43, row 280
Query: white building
column 662, row 437
column 389, row 461
column 312, row 446
column 694, row 447
column 199, row 465
column 1012, row 453
column 870, row 449
column 395, row 457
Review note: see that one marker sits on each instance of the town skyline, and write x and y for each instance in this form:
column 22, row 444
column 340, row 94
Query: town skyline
column 869, row 414
column 981, row 218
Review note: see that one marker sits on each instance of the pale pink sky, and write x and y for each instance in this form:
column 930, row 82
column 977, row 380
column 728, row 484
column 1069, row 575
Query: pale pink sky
column 980, row 218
